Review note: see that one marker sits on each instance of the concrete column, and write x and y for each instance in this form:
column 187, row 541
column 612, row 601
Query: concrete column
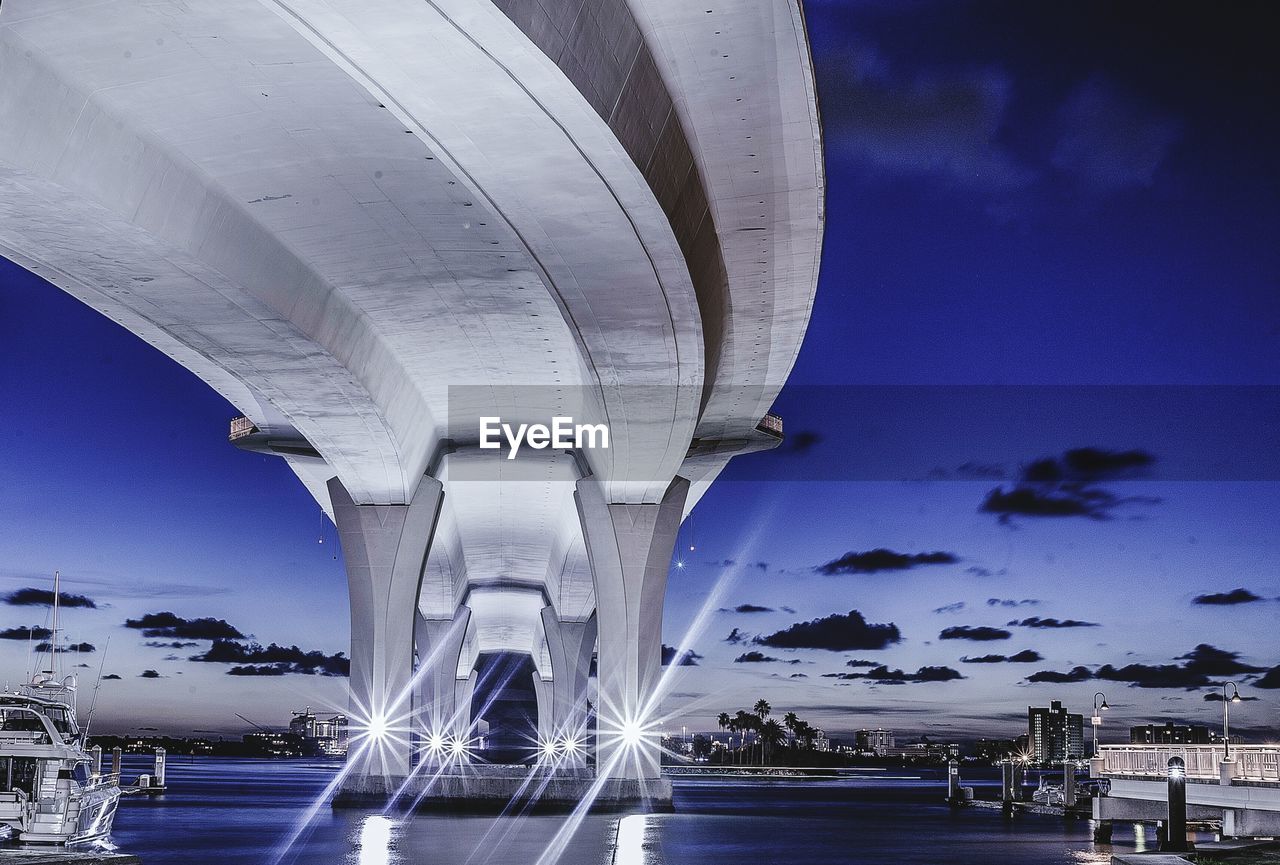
column 1226, row 772
column 385, row 549
column 571, row 645
column 465, row 691
column 439, row 647
column 629, row 547
column 542, row 692
column 1069, row 784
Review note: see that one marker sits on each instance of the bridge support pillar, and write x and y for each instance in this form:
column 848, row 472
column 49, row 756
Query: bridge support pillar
column 440, row 719
column 629, row 547
column 542, row 689
column 385, row 549
column 571, row 645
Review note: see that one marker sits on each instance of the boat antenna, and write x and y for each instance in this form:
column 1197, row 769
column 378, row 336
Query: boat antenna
column 93, row 704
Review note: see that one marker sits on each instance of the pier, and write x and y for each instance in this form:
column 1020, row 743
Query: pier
column 65, row 857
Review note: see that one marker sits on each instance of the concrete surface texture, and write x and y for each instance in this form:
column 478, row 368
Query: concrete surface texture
column 368, row 225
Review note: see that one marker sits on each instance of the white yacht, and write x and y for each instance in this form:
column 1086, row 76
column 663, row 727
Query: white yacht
column 51, row 791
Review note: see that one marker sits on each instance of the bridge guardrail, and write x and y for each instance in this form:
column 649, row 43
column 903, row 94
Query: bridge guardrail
column 1253, row 762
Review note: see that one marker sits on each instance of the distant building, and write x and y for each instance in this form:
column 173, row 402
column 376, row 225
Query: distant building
column 820, row 741
column 1054, row 735
column 875, row 741
column 1170, row 733
column 268, row 743
column 321, row 734
column 995, row 750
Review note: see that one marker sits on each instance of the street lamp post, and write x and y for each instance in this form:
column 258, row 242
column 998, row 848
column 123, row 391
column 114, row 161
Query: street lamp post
column 1097, row 718
column 1226, row 718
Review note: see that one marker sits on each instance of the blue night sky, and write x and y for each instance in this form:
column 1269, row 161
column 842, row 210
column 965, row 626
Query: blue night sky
column 1049, row 228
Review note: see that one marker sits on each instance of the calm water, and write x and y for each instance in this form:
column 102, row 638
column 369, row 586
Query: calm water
column 241, row 812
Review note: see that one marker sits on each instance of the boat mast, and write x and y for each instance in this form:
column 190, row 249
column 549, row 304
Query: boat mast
column 53, row 635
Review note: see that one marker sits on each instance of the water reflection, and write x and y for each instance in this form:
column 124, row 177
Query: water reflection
column 630, row 844
column 375, row 840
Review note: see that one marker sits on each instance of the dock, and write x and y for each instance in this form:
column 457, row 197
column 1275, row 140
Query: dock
column 31, row 856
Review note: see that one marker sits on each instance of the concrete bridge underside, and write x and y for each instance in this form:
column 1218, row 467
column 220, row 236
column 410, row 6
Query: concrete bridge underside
column 367, row 225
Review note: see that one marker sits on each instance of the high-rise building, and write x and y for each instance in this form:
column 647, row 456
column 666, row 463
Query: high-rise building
column 875, row 741
column 1054, row 735
column 1170, row 733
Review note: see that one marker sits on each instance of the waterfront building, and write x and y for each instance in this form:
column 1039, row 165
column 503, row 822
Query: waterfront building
column 1170, row 733
column 322, row 734
column 1054, row 735
column 875, row 741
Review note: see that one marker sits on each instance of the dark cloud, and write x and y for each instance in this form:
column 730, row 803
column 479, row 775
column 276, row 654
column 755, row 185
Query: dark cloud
column 33, row 597
column 286, row 659
column 836, row 633
column 950, row 608
column 175, row 644
column 1216, row 696
column 1037, row 622
column 788, row 610
column 1109, row 139
column 754, row 657
column 878, row 560
column 1026, row 656
column 882, row 675
column 32, row 633
column 747, row 608
column 980, row 633
column 110, row 676
column 1077, row 674
column 1269, row 680
column 736, row 636
column 913, row 123
column 1011, row 602
column 861, row 662
column 689, row 659
column 68, row 647
column 167, row 624
column 149, row 674
column 1223, row 599
column 1198, row 669
column 257, row 670
column 799, row 675
column 803, row 441
column 1066, row 486
column 979, row 571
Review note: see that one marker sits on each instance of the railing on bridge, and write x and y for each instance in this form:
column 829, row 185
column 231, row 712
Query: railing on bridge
column 241, row 427
column 1253, row 762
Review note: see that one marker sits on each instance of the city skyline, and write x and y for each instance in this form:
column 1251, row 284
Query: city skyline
column 975, row 238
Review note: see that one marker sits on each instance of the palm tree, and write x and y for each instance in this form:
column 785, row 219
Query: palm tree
column 762, row 709
column 732, row 727
column 771, row 734
column 723, row 721
column 790, row 720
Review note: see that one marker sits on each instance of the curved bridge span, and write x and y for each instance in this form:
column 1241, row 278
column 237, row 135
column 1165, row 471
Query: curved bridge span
column 370, row 225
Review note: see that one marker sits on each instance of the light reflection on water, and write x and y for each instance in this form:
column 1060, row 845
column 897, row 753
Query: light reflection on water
column 225, row 812
column 375, row 840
